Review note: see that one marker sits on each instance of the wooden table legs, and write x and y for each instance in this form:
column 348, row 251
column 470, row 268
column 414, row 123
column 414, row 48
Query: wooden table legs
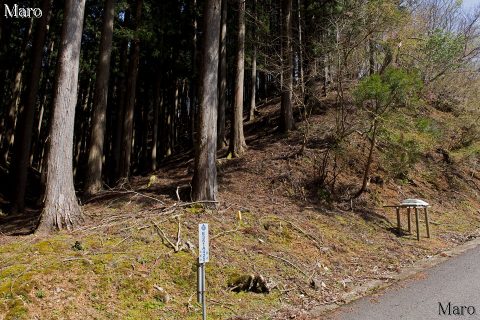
column 399, row 226
column 409, row 217
column 426, row 222
column 417, row 222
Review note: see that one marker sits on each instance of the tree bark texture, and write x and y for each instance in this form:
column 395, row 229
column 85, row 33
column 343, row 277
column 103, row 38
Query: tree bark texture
column 26, row 119
column 222, row 84
column 300, row 48
column 127, row 137
column 253, row 88
column 237, row 142
column 93, row 181
column 286, row 123
column 8, row 123
column 61, row 208
column 157, row 105
column 121, row 97
column 205, row 176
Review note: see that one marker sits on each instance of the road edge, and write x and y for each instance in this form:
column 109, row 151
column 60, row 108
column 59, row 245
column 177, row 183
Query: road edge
column 406, row 273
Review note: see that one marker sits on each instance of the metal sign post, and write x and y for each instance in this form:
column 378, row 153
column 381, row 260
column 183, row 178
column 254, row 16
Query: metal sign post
column 203, row 257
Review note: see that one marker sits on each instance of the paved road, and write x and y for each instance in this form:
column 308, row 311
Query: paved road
column 456, row 281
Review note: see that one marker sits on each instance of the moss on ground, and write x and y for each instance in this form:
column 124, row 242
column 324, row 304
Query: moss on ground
column 115, row 270
column 115, row 275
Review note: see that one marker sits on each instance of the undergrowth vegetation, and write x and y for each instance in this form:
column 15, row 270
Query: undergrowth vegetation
column 313, row 248
column 395, row 115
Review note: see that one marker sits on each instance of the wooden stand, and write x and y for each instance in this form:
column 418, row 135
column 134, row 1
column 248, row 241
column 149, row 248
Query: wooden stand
column 409, row 218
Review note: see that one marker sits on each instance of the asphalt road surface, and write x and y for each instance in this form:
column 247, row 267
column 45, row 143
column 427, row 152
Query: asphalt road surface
column 456, row 281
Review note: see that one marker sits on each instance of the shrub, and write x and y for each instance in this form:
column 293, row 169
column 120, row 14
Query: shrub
column 400, row 156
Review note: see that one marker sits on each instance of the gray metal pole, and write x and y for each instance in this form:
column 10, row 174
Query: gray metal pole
column 204, row 298
column 199, row 283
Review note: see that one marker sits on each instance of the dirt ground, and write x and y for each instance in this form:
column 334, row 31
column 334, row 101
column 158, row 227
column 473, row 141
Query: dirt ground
column 274, row 218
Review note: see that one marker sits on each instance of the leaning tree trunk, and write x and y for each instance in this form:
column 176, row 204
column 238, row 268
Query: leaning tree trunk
column 205, row 176
column 237, row 141
column 366, row 172
column 25, row 126
column 222, row 81
column 93, row 181
column 61, row 207
column 127, row 136
column 286, row 123
column 371, row 56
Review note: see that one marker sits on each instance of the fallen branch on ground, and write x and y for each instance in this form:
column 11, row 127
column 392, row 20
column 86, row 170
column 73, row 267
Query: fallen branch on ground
column 123, row 190
column 305, row 233
column 78, row 258
column 175, row 247
column 224, row 233
column 288, row 262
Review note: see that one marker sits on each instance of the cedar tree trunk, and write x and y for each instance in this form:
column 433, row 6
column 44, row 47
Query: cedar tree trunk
column 27, row 117
column 93, row 181
column 127, row 136
column 61, row 208
column 222, row 81
column 205, row 176
column 286, row 122
column 237, row 141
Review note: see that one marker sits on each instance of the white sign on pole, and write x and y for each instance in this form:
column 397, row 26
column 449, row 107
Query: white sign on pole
column 203, row 250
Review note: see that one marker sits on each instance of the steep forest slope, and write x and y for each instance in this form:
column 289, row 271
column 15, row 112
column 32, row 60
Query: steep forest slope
column 285, row 213
column 115, row 118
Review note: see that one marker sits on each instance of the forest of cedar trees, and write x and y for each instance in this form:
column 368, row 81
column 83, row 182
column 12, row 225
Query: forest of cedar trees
column 93, row 93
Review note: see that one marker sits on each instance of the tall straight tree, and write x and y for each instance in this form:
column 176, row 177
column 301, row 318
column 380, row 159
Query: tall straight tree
column 157, row 105
column 25, row 127
column 61, row 208
column 222, row 81
column 9, row 121
column 195, row 66
column 286, row 119
column 93, row 181
column 237, row 141
column 205, row 176
column 121, row 83
column 300, row 48
column 127, row 135
column 253, row 82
